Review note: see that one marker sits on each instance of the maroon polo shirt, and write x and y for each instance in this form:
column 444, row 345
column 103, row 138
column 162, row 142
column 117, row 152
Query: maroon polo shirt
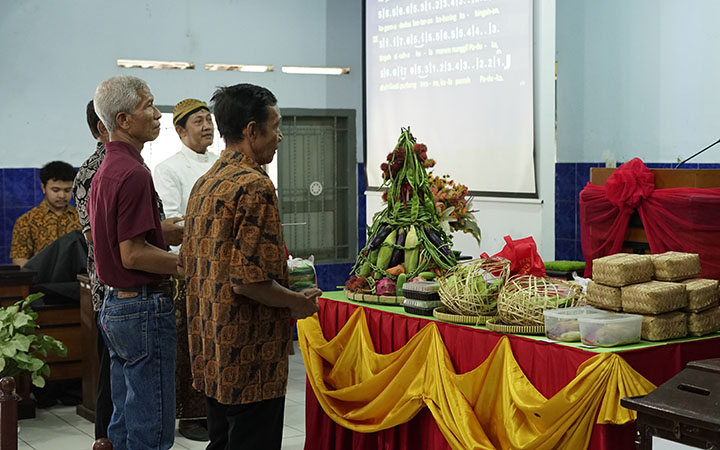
column 122, row 205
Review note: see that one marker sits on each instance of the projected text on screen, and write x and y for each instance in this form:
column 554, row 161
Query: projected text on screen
column 459, row 73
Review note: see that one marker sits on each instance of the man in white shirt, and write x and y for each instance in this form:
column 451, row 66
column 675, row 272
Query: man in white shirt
column 174, row 179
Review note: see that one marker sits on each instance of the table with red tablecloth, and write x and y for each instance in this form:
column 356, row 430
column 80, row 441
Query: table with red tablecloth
column 550, row 366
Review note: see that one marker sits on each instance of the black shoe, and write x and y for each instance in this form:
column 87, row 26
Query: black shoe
column 195, row 430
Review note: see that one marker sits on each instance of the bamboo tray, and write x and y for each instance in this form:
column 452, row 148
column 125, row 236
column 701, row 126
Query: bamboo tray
column 494, row 324
column 443, row 313
column 372, row 298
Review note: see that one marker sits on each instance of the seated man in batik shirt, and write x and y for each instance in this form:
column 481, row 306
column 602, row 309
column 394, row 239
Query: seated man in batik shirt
column 51, row 219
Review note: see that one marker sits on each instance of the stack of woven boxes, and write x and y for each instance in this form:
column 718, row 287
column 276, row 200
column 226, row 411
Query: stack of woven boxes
column 664, row 288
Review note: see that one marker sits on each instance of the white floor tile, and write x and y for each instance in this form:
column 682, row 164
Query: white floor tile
column 289, row 431
column 295, row 416
column 46, row 428
column 182, row 442
column 295, row 397
column 294, row 443
column 22, row 445
column 69, row 440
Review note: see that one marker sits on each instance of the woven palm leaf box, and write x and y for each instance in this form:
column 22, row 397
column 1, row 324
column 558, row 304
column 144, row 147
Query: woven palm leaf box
column 666, row 326
column 654, row 297
column 702, row 294
column 622, row 269
column 605, row 297
column 675, row 266
column 706, row 322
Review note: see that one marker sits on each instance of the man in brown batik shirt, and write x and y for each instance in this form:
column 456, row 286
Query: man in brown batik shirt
column 238, row 303
column 51, row 219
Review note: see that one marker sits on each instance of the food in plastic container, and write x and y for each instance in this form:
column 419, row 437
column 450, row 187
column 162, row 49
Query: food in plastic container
column 610, row 330
column 302, row 273
column 562, row 324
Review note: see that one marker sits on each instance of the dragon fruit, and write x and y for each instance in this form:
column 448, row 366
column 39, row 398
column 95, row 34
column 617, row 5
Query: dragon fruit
column 385, row 286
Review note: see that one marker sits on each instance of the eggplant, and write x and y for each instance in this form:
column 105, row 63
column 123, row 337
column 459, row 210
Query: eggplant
column 380, row 236
column 398, row 254
column 436, row 239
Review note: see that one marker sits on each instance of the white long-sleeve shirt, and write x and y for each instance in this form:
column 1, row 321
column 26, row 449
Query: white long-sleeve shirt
column 175, row 177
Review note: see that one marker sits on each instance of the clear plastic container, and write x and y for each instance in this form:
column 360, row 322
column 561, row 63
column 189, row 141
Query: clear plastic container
column 610, row 330
column 562, row 324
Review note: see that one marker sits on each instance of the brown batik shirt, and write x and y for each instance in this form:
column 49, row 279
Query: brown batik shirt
column 40, row 227
column 238, row 347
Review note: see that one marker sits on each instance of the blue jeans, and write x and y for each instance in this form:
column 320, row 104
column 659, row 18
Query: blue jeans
column 141, row 336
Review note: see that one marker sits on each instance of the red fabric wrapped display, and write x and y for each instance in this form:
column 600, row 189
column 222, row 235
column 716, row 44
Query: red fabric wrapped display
column 548, row 366
column 677, row 219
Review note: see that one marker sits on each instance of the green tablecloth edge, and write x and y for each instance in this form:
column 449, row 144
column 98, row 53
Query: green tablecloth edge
column 398, row 309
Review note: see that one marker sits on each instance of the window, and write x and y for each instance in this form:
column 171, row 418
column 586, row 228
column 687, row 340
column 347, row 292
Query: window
column 317, row 184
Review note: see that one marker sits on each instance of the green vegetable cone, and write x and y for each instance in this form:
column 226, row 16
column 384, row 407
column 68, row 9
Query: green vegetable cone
column 410, row 204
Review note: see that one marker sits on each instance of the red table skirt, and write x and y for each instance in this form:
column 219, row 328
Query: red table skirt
column 549, row 367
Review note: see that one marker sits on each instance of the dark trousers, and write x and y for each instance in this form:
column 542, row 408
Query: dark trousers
column 103, row 399
column 251, row 426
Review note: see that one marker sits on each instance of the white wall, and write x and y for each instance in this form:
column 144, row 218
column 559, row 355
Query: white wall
column 55, row 53
column 637, row 78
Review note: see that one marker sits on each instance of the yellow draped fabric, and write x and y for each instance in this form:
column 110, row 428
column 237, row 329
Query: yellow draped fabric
column 494, row 406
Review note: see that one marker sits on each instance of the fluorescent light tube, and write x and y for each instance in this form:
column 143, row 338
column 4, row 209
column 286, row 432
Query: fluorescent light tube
column 307, row 70
column 147, row 64
column 239, row 67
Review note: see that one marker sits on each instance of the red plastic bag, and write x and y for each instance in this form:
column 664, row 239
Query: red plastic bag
column 523, row 256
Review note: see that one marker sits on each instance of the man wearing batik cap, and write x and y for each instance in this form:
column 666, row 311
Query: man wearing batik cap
column 174, row 178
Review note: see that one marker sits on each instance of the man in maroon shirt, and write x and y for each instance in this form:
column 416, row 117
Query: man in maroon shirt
column 131, row 258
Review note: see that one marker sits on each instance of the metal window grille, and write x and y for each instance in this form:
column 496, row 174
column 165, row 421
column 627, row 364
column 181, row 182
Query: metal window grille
column 317, row 184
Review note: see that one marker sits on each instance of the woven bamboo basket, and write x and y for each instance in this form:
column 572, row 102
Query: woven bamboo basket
column 523, row 299
column 675, row 266
column 605, row 297
column 654, row 297
column 666, row 326
column 471, row 288
column 622, row 269
column 702, row 294
column 706, row 322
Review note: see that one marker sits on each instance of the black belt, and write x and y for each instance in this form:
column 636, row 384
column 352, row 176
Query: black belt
column 161, row 287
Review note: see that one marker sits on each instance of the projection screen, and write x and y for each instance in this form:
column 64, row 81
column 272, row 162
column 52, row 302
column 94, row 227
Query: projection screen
column 459, row 73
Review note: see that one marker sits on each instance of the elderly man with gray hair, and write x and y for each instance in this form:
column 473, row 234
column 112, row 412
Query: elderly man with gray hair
column 137, row 318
